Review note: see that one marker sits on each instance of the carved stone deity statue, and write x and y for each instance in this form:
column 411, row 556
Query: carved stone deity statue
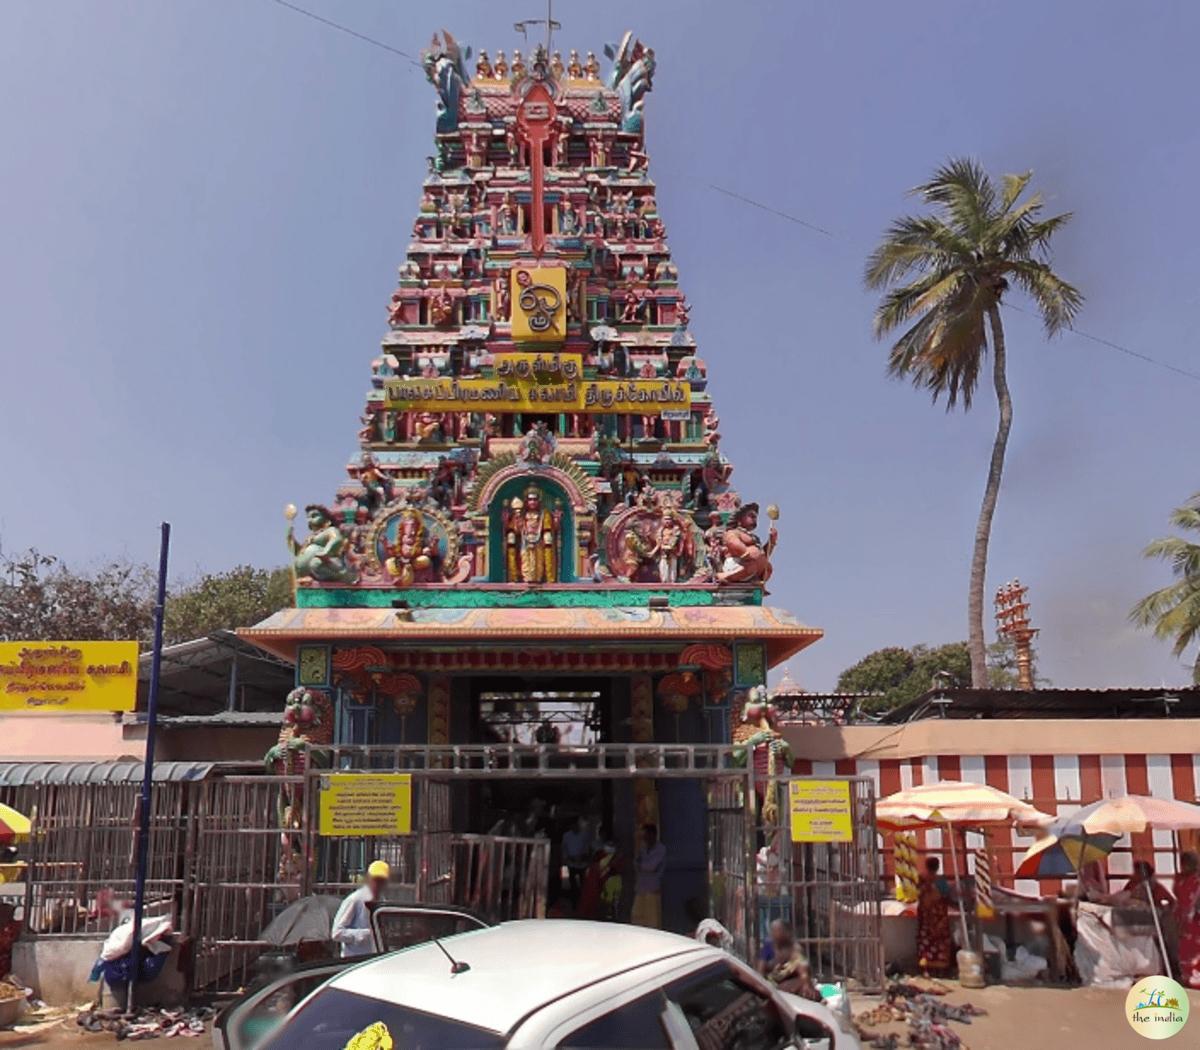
column 531, row 539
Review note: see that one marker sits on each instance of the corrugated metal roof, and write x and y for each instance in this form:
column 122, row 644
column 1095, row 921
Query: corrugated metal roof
column 17, row 774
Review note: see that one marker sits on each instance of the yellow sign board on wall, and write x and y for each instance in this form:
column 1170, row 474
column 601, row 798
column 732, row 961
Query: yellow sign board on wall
column 365, row 804
column 68, row 676
column 819, row 811
column 644, row 397
column 539, row 304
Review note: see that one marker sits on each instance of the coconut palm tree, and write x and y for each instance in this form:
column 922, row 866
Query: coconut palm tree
column 946, row 275
column 1174, row 611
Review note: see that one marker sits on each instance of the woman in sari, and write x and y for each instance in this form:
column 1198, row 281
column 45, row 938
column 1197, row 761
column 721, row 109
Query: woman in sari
column 1187, row 919
column 935, row 946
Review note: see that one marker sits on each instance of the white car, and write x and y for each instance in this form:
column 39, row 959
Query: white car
column 539, row 983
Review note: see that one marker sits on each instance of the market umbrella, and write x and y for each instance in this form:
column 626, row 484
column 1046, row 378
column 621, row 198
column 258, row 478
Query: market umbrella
column 1098, row 826
column 949, row 802
column 1064, row 854
column 308, row 919
column 14, row 826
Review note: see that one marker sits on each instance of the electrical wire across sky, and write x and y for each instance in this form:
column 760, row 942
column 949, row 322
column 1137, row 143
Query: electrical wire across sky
column 750, row 201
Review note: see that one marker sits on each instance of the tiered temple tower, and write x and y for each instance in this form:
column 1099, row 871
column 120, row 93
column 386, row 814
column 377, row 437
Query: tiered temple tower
column 539, row 494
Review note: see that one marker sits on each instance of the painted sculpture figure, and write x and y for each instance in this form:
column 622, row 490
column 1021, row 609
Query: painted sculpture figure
column 410, row 554
column 323, row 556
column 747, row 558
column 766, row 749
column 670, row 546
column 532, row 539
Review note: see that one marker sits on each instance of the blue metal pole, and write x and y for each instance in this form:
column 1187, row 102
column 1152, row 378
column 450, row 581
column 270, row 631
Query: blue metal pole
column 143, row 843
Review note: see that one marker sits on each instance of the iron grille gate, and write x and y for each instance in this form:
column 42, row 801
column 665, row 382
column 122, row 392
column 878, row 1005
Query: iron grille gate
column 828, row 892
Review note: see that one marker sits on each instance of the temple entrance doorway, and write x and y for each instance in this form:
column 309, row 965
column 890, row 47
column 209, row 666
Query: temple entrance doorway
column 572, row 716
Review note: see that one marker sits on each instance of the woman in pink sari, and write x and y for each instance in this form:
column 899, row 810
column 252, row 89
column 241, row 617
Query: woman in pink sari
column 1187, row 918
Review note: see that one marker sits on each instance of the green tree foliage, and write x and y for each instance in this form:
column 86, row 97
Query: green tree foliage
column 944, row 276
column 240, row 597
column 1173, row 612
column 899, row 675
column 42, row 599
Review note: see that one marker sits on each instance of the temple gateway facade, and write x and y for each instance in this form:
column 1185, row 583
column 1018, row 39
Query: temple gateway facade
column 538, row 558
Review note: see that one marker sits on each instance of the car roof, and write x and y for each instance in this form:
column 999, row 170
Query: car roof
column 515, row 968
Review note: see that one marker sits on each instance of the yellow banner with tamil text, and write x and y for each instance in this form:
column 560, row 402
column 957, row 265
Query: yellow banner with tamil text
column 68, row 676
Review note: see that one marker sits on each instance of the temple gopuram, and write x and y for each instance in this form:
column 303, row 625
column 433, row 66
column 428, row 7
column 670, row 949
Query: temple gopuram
column 538, row 540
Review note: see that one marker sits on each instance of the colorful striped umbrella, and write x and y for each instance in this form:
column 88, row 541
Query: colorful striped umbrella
column 1064, row 853
column 14, row 826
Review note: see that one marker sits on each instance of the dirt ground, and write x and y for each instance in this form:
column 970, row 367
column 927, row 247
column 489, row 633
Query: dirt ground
column 1017, row 1019
column 1041, row 1018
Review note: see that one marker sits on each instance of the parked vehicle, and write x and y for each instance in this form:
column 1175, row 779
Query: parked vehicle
column 532, row 983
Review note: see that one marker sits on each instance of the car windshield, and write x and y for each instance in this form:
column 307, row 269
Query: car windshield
column 334, row 1019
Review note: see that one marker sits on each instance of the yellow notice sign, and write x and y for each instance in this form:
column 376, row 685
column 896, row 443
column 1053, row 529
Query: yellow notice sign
column 366, row 804
column 68, row 676
column 820, row 810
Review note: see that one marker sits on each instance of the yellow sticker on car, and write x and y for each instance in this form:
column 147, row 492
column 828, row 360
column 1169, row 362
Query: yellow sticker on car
column 373, row 1037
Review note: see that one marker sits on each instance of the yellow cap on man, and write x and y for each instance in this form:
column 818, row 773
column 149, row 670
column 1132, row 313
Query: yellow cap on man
column 379, row 870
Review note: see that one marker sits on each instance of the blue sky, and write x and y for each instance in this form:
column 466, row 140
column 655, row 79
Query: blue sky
column 204, row 205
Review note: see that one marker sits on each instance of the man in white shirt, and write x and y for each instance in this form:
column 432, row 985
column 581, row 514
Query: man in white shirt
column 352, row 923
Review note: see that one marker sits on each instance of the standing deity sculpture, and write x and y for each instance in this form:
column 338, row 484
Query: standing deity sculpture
column 531, row 537
column 591, row 68
column 518, row 66
column 556, row 66
column 441, row 308
column 670, row 544
column 765, row 749
column 574, row 66
column 568, row 220
column 506, row 215
column 483, row 66
column 747, row 558
column 502, row 296
column 714, row 544
column 324, row 555
column 500, row 68
column 410, row 556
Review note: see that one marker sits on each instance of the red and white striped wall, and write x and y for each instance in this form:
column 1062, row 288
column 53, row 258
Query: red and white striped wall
column 1057, row 784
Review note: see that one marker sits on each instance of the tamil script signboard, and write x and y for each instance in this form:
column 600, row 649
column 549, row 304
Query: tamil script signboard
column 820, row 811
column 68, row 676
column 365, row 804
column 531, row 394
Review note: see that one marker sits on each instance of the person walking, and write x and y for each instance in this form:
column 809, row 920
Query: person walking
column 352, row 923
column 578, row 846
column 649, row 864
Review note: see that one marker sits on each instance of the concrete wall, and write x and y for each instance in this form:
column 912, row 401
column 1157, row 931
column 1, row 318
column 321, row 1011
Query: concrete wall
column 57, row 970
column 48, row 737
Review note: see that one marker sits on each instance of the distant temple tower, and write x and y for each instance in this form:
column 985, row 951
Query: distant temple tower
column 539, row 498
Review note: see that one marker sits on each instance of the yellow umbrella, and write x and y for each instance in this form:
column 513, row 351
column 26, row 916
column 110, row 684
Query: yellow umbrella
column 14, row 826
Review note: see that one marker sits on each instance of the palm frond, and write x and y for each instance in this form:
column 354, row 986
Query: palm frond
column 916, row 297
column 965, row 191
column 1011, row 187
column 1057, row 301
column 915, row 243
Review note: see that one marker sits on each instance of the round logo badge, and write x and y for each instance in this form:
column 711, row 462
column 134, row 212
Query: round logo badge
column 1157, row 1007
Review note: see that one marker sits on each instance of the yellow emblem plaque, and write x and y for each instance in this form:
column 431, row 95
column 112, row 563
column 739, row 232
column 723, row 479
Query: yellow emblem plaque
column 539, row 304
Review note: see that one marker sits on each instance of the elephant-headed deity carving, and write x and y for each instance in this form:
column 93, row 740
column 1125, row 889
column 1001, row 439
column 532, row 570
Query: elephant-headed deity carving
column 412, row 542
column 532, row 538
column 326, row 555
